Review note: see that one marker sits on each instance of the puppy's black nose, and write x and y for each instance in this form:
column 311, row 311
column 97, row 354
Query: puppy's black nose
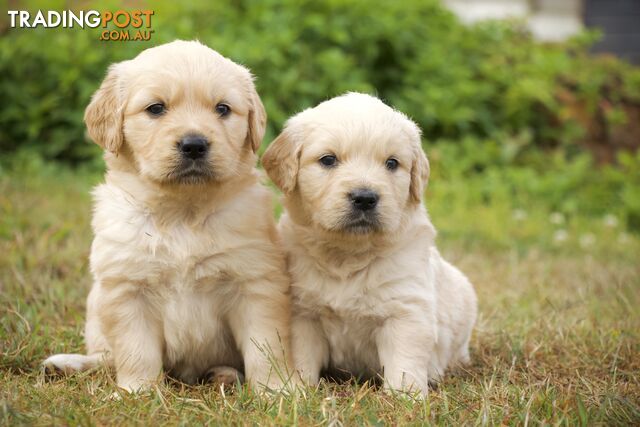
column 364, row 199
column 193, row 146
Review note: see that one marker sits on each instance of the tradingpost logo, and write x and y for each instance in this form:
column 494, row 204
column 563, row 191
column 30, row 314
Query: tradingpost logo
column 130, row 25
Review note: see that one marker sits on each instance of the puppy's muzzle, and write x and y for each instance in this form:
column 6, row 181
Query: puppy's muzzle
column 193, row 147
column 363, row 216
column 363, row 199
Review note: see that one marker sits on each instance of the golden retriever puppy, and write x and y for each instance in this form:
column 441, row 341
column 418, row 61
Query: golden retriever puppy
column 371, row 293
column 187, row 273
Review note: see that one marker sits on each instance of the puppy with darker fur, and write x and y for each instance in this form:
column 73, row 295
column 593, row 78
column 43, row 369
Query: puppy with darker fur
column 371, row 293
column 187, row 273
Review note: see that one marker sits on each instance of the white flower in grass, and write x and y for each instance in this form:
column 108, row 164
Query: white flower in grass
column 587, row 240
column 610, row 221
column 519, row 214
column 560, row 236
column 556, row 218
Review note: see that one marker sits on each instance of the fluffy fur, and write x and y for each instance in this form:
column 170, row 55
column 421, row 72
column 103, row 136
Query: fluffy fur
column 371, row 293
column 187, row 274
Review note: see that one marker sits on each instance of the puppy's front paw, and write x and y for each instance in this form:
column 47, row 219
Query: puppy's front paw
column 406, row 385
column 224, row 376
column 407, row 392
column 136, row 386
column 64, row 364
column 129, row 393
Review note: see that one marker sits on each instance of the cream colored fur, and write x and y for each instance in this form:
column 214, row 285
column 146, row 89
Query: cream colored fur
column 187, row 273
column 377, row 302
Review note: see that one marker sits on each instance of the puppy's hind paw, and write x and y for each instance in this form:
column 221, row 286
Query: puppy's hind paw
column 224, row 376
column 66, row 364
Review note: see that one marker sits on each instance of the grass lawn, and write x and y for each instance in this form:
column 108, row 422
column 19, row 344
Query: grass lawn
column 557, row 340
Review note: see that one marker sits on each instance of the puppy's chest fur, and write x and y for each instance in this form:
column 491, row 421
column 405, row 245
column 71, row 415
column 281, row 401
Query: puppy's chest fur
column 167, row 256
column 190, row 274
column 352, row 308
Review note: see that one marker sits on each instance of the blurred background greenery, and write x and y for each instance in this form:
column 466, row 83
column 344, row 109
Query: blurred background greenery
column 513, row 127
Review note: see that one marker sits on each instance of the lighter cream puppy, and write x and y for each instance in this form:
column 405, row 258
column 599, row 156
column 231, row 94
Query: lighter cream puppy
column 187, row 275
column 371, row 293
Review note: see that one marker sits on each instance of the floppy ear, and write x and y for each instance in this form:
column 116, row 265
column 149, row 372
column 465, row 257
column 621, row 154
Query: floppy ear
column 257, row 120
column 419, row 166
column 104, row 114
column 282, row 160
column 419, row 174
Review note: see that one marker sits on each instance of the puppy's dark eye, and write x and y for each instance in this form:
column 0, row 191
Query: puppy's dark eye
column 223, row 109
column 391, row 164
column 329, row 160
column 156, row 109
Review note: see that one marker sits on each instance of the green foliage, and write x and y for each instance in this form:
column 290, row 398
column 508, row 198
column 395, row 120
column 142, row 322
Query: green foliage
column 501, row 114
column 491, row 80
column 485, row 173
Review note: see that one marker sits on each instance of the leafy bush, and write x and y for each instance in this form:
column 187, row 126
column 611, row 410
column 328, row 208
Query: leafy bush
column 481, row 173
column 490, row 80
column 498, row 108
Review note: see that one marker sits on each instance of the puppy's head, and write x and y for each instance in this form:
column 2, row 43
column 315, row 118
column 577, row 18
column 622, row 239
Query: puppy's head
column 180, row 113
column 351, row 165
